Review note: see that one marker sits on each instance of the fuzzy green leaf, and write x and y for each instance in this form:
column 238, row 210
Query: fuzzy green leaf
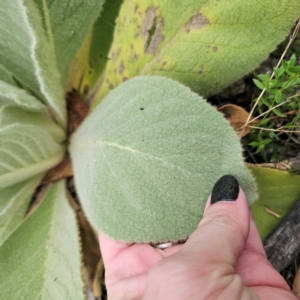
column 278, row 192
column 25, row 151
column 17, row 106
column 28, row 52
column 11, row 95
column 11, row 114
column 14, row 202
column 102, row 37
column 41, row 259
column 70, row 23
column 204, row 44
column 146, row 159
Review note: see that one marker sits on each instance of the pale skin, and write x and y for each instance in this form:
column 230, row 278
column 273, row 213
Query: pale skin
column 223, row 259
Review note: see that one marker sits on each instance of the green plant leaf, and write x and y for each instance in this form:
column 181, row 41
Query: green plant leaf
column 17, row 106
column 41, row 259
column 14, row 202
column 11, row 114
column 6, row 76
column 26, row 151
column 146, row 159
column 102, row 37
column 278, row 192
column 29, row 54
column 204, row 44
column 70, row 22
column 11, row 95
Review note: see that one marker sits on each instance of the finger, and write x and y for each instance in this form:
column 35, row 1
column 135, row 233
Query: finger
column 253, row 265
column 110, row 247
column 221, row 235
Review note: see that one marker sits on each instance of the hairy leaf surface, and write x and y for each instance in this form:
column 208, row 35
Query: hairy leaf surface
column 25, row 151
column 146, row 159
column 70, row 23
column 204, row 44
column 14, row 202
column 41, row 259
column 29, row 54
column 18, row 107
column 278, row 192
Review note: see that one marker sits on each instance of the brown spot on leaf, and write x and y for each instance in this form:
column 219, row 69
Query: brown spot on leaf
column 110, row 86
column 201, row 70
column 134, row 57
column 215, row 48
column 152, row 31
column 197, row 22
column 121, row 68
column 162, row 65
column 136, row 7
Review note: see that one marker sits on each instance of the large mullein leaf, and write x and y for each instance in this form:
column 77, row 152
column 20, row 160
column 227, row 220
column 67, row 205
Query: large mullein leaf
column 278, row 192
column 41, row 259
column 29, row 54
column 102, row 37
column 205, row 44
column 70, row 22
column 146, row 159
column 25, row 151
column 14, row 202
column 18, row 107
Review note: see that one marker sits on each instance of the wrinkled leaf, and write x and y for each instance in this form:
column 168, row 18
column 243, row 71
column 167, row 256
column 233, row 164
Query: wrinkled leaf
column 278, row 192
column 25, row 151
column 14, row 202
column 41, row 259
column 70, row 23
column 146, row 159
column 204, row 44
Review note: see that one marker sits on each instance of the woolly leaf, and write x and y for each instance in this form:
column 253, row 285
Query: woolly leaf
column 11, row 95
column 204, row 44
column 278, row 192
column 28, row 52
column 17, row 106
column 26, row 151
column 70, row 22
column 14, row 202
column 146, row 159
column 41, row 259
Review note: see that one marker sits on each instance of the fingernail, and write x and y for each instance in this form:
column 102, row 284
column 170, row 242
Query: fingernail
column 225, row 189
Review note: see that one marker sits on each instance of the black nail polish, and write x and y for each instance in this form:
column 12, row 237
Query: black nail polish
column 225, row 189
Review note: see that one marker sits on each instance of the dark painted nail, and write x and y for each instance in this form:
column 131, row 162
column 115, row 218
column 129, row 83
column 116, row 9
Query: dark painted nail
column 225, row 189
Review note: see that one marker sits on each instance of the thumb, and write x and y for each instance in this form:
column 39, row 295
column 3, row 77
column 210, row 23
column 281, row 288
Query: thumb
column 222, row 233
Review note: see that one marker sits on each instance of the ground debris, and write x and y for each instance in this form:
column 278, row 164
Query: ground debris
column 283, row 244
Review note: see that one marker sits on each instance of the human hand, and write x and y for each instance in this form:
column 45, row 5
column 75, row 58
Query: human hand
column 223, row 259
